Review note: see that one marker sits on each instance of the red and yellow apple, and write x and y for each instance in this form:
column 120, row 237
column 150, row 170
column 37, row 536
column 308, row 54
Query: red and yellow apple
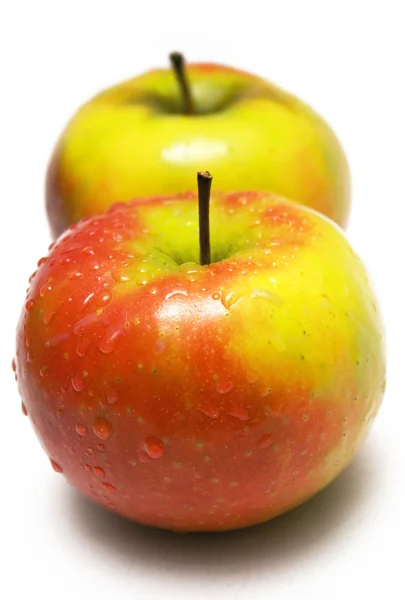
column 194, row 397
column 133, row 140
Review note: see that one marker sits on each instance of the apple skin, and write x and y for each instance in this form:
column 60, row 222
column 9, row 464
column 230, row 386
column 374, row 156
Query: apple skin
column 132, row 140
column 201, row 398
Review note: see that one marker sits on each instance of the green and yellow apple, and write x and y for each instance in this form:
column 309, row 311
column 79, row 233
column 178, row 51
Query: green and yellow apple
column 194, row 397
column 135, row 139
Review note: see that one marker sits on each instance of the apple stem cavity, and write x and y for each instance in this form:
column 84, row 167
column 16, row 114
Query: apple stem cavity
column 204, row 180
column 178, row 66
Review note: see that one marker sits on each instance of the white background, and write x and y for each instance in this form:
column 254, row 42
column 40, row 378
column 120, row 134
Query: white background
column 347, row 59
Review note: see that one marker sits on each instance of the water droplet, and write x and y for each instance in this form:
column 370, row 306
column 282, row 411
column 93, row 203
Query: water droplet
column 47, row 287
column 160, row 347
column 48, row 316
column 252, row 377
column 265, row 441
column 13, row 365
column 88, row 250
column 210, row 411
column 268, row 295
column 109, row 341
column 112, row 396
column 81, row 429
column 99, row 472
column 74, row 275
column 29, row 305
column 121, row 277
column 78, row 383
column 175, row 293
column 87, row 299
column 82, row 347
column 57, row 339
column 230, row 299
column 57, row 468
column 190, row 267
column 102, row 428
column 83, row 323
column 239, row 412
column 41, row 261
column 89, row 451
column 100, row 447
column 109, row 486
column 103, row 298
column 216, row 296
column 87, row 468
column 154, row 446
column 42, row 371
column 24, row 410
column 224, row 386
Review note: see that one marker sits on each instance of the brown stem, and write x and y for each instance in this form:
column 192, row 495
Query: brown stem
column 204, row 180
column 178, row 66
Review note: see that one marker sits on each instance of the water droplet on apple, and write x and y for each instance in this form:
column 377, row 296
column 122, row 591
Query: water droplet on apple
column 216, row 296
column 57, row 339
column 81, row 429
column 13, row 365
column 153, row 446
column 99, row 472
column 74, row 275
column 83, row 323
column 88, row 250
column 112, row 396
column 230, row 299
column 48, row 315
column 100, row 447
column 122, row 277
column 78, row 383
column 87, row 299
column 267, row 295
column 29, row 305
column 41, row 261
column 176, row 293
column 82, row 347
column 47, row 287
column 252, row 377
column 239, row 412
column 24, row 410
column 265, row 441
column 103, row 298
column 89, row 451
column 224, row 386
column 102, row 428
column 57, row 468
column 190, row 267
column 87, row 468
column 210, row 411
column 43, row 370
column 109, row 341
column 109, row 486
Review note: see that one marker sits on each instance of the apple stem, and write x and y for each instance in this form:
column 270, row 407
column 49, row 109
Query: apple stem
column 178, row 66
column 204, row 180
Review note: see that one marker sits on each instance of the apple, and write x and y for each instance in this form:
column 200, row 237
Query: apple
column 142, row 137
column 201, row 397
